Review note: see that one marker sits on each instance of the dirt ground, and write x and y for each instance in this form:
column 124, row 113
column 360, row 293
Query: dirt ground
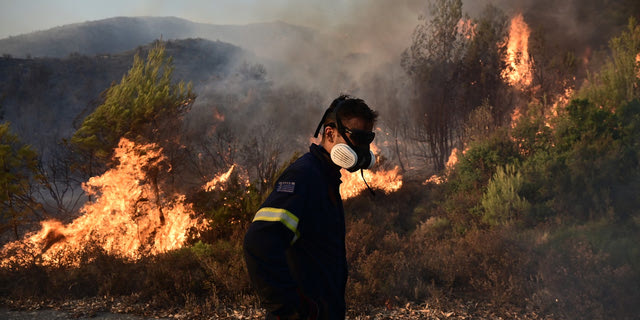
column 403, row 314
column 96, row 310
column 51, row 314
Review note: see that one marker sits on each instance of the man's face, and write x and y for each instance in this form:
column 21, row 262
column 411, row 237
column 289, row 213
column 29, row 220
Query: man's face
column 355, row 124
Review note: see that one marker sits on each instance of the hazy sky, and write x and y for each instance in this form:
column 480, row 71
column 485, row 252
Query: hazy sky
column 24, row 16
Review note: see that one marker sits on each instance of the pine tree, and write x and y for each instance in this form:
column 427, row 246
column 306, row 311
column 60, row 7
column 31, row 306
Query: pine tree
column 144, row 105
column 18, row 171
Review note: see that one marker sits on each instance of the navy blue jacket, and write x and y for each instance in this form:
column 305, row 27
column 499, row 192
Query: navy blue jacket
column 295, row 245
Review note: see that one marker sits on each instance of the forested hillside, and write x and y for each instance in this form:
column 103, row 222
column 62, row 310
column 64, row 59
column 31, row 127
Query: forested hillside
column 46, row 99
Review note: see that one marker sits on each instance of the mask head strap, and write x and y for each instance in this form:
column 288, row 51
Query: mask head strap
column 341, row 128
column 324, row 117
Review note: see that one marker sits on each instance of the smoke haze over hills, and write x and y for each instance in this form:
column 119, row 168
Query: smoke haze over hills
column 45, row 99
column 351, row 48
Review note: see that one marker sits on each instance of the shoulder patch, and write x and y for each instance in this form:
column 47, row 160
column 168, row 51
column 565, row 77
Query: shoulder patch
column 286, row 186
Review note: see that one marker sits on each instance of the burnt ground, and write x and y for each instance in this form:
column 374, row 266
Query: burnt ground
column 110, row 309
column 51, row 314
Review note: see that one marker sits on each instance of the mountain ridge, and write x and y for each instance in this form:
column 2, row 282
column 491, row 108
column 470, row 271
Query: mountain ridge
column 118, row 34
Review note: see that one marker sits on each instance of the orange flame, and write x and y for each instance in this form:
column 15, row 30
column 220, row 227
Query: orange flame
column 129, row 217
column 451, row 162
column 453, row 158
column 217, row 180
column 518, row 71
column 516, row 115
column 466, row 28
column 638, row 65
column 561, row 100
column 218, row 116
column 387, row 181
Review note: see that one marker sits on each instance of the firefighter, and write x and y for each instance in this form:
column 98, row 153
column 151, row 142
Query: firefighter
column 295, row 247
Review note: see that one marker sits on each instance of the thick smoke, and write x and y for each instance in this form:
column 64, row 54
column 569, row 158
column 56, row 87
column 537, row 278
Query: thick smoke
column 354, row 47
column 574, row 24
column 357, row 46
column 275, row 98
column 363, row 36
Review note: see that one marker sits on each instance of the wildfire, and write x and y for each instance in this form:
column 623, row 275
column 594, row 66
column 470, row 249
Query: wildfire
column 562, row 100
column 638, row 65
column 218, row 116
column 518, row 71
column 386, row 180
column 217, row 180
column 453, row 158
column 129, row 216
column 466, row 28
column 451, row 162
column 516, row 115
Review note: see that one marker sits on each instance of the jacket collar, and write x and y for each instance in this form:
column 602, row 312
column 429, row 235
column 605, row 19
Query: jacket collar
column 331, row 169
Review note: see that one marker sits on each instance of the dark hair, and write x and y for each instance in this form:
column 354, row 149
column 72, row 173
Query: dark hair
column 349, row 107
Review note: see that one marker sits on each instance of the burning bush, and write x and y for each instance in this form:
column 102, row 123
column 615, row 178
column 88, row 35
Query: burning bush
column 129, row 216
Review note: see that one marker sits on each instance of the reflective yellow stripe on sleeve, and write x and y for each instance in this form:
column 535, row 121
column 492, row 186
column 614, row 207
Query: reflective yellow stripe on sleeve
column 283, row 216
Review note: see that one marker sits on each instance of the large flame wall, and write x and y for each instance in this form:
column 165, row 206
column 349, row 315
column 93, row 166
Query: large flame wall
column 128, row 217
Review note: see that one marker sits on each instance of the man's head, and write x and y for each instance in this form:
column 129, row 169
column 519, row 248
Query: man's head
column 348, row 122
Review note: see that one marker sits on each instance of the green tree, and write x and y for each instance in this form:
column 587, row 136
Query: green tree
column 18, row 171
column 144, row 105
column 531, row 132
column 618, row 82
column 468, row 180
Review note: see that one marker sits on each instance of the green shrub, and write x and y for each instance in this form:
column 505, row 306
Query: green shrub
column 502, row 202
column 594, row 165
column 468, row 179
column 531, row 131
column 480, row 161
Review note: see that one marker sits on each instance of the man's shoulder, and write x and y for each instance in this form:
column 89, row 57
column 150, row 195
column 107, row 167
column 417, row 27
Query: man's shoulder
column 299, row 176
column 306, row 166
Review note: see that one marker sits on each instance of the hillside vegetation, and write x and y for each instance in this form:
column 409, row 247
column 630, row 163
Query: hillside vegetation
column 46, row 99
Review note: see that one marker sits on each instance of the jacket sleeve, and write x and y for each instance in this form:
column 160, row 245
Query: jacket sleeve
column 273, row 230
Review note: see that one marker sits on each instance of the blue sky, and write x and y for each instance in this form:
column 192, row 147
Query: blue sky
column 24, row 16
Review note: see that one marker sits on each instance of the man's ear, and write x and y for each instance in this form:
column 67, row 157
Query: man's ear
column 329, row 134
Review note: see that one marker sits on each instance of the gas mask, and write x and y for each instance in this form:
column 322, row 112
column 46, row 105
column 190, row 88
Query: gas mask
column 344, row 156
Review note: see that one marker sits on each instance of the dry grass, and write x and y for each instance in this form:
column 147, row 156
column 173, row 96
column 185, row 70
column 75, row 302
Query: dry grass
column 402, row 251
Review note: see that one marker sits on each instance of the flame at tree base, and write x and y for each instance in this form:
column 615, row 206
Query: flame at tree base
column 451, row 162
column 130, row 217
column 352, row 184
